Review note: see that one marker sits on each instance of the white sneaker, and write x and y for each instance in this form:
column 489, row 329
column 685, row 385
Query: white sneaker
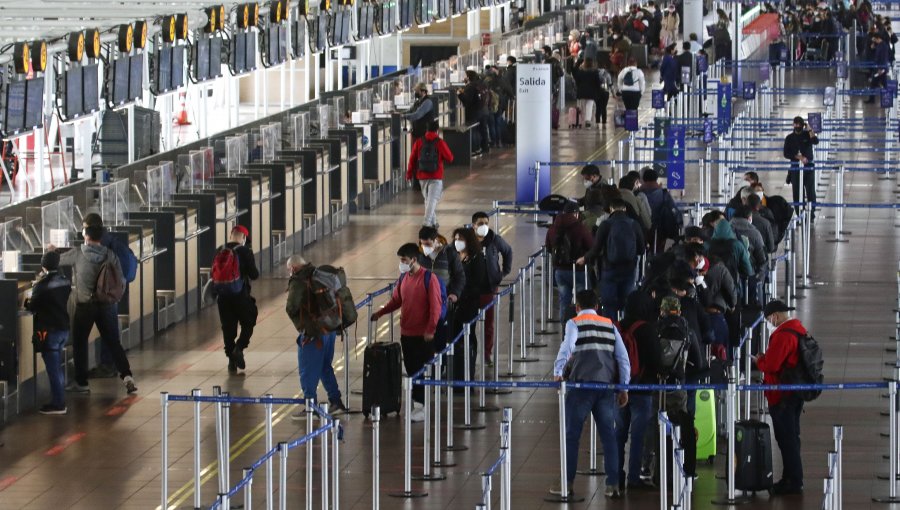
column 418, row 413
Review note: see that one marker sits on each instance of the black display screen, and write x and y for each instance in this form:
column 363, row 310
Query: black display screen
column 406, row 13
column 74, row 103
column 336, row 26
column 178, row 67
column 34, row 103
column 91, row 88
column 163, row 69
column 251, row 50
column 121, row 72
column 15, row 107
column 366, row 20
column 215, row 57
column 322, row 31
column 136, row 80
column 239, row 53
column 272, row 51
column 345, row 31
column 201, row 59
column 299, row 39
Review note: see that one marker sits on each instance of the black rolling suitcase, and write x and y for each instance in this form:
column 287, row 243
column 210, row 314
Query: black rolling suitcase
column 382, row 384
column 753, row 454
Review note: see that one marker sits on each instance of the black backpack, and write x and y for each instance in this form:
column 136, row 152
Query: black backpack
column 628, row 79
column 562, row 249
column 429, row 157
column 673, row 334
column 808, row 369
column 621, row 243
column 783, row 212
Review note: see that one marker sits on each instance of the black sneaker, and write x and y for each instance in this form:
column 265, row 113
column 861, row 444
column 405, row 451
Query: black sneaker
column 237, row 356
column 103, row 372
column 52, row 409
column 336, row 406
column 231, row 366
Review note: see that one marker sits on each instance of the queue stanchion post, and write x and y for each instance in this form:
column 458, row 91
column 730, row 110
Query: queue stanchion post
column 482, row 390
column 731, row 497
column 197, row 483
column 164, row 446
column 564, row 496
column 505, row 425
column 592, row 469
column 537, row 189
column 467, row 390
column 892, row 434
column 532, row 342
column 839, row 466
column 282, row 475
column 510, row 356
column 486, row 490
column 407, row 491
column 226, row 427
column 496, row 369
column 323, row 457
column 248, row 488
column 310, row 450
column 523, row 320
column 221, row 448
column 451, row 445
column 427, row 474
column 495, row 207
column 662, row 422
column 546, row 275
column 376, row 458
column 551, row 272
column 438, row 389
column 268, row 426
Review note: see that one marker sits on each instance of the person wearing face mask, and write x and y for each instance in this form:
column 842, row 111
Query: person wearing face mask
column 421, row 113
column 466, row 244
column 742, row 225
column 418, row 297
column 798, row 148
column 636, row 203
column 498, row 258
column 762, row 220
column 441, row 258
column 239, row 309
column 785, row 408
column 592, row 181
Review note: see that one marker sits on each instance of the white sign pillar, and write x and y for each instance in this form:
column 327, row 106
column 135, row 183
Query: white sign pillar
column 533, row 134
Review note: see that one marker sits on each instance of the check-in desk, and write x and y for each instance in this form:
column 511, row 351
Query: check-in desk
column 377, row 163
column 227, row 210
column 136, row 306
column 163, row 272
column 199, row 249
column 352, row 138
column 401, row 148
column 255, row 201
column 278, row 173
column 458, row 133
column 308, row 175
column 334, row 192
column 16, row 353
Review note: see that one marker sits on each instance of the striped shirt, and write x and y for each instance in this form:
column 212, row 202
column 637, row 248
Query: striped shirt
column 593, row 350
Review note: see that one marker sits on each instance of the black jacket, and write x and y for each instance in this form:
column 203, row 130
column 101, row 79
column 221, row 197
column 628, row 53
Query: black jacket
column 421, row 113
column 477, row 284
column 801, row 143
column 471, row 102
column 48, row 302
column 448, row 268
column 495, row 248
column 598, row 250
column 247, row 262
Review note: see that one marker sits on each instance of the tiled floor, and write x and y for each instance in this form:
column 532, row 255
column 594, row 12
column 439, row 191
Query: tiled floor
column 105, row 453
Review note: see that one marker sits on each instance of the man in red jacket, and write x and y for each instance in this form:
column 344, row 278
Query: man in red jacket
column 426, row 163
column 784, row 407
column 420, row 302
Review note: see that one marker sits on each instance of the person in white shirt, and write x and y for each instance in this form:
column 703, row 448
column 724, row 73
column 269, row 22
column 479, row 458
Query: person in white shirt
column 631, row 85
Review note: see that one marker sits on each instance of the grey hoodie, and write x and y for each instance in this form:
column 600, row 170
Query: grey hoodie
column 87, row 260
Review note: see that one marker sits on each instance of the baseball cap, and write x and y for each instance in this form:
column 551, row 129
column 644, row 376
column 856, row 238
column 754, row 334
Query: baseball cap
column 670, row 304
column 242, row 229
column 776, row 306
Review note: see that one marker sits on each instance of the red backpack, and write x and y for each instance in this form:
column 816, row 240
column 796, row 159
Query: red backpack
column 631, row 346
column 226, row 273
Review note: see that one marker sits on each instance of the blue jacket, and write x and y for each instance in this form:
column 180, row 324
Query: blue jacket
column 669, row 74
column 495, row 248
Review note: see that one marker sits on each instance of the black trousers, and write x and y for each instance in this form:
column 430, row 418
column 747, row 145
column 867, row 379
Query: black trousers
column 786, row 427
column 416, row 352
column 106, row 319
column 234, row 311
column 602, row 104
column 631, row 99
column 809, row 186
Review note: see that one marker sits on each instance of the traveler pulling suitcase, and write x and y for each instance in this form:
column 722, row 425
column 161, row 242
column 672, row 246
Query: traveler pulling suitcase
column 381, row 378
column 753, row 454
column 574, row 117
column 705, row 425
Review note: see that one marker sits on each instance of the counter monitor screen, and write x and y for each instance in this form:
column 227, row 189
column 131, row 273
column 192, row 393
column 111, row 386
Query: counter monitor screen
column 215, row 57
column 136, row 78
column 406, row 13
column 14, row 120
column 163, row 70
column 74, row 104
column 322, row 31
column 201, row 59
column 121, row 72
column 251, row 50
column 91, row 88
column 239, row 53
column 34, row 103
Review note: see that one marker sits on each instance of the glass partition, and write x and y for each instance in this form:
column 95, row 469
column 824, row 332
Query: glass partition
column 50, row 223
column 13, row 242
column 322, row 123
column 339, row 113
column 300, row 126
column 233, row 156
column 361, row 106
column 114, row 202
column 276, row 130
column 190, row 173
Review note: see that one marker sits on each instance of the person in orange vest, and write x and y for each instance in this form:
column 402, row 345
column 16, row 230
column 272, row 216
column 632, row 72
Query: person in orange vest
column 592, row 351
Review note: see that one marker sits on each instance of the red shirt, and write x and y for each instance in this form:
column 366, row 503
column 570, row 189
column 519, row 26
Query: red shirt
column 782, row 353
column 444, row 154
column 419, row 311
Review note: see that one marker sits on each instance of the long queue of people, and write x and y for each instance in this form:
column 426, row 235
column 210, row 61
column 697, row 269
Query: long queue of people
column 676, row 323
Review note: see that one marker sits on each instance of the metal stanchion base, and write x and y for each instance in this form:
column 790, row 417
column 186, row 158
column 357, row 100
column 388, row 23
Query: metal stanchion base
column 455, row 448
column 347, row 411
column 409, row 495
column 471, row 426
column 725, row 501
column 886, row 499
column 537, row 345
column 544, row 332
column 498, row 391
column 430, row 478
column 837, row 240
column 512, row 375
column 591, row 472
column 356, row 392
column 443, row 463
column 486, row 409
column 525, row 360
column 571, row 498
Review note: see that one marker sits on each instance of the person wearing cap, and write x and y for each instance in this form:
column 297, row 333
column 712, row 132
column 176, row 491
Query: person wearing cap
column 592, row 351
column 239, row 309
column 798, row 148
column 87, row 261
column 48, row 300
column 568, row 225
column 784, row 407
column 421, row 113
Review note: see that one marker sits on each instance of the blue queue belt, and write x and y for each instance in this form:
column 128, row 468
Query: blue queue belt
column 652, row 387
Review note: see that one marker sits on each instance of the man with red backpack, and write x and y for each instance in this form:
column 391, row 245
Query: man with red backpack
column 638, row 330
column 426, row 163
column 232, row 269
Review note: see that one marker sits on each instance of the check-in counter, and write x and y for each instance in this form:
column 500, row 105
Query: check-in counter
column 308, row 167
column 281, row 222
column 227, row 210
column 145, row 280
column 261, row 207
column 199, row 223
column 162, row 272
column 377, row 163
column 353, row 139
column 187, row 264
column 137, row 303
column 337, row 176
column 293, row 204
column 246, row 210
column 16, row 368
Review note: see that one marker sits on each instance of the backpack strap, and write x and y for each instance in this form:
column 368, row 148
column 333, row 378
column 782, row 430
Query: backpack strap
column 634, row 326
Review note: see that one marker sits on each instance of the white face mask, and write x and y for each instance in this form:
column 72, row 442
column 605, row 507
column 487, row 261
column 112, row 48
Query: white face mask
column 404, row 267
column 428, row 250
column 482, row 230
column 459, row 245
column 587, row 184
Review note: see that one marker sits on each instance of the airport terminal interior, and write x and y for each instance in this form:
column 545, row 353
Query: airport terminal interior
column 209, row 139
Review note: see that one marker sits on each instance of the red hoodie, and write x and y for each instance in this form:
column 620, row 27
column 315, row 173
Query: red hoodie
column 444, row 154
column 782, row 353
column 419, row 310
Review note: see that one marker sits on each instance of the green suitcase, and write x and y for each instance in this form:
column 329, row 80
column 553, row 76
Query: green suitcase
column 705, row 424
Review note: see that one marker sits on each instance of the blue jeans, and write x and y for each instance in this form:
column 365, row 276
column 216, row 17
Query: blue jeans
column 615, row 286
column 633, row 421
column 314, row 359
column 52, row 356
column 565, row 279
column 602, row 405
